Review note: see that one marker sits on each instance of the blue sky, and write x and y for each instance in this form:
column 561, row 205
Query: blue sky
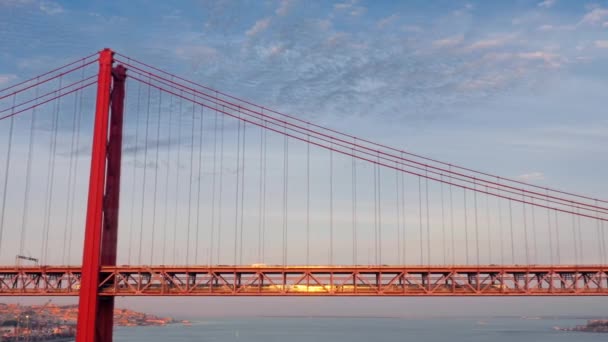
column 514, row 88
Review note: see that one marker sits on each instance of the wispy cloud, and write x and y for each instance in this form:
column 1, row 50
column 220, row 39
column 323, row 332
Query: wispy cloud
column 284, row 7
column 50, row 7
column 492, row 42
column 595, row 17
column 448, row 42
column 351, row 7
column 601, row 44
column 259, row 26
column 532, row 176
column 547, row 3
column 382, row 23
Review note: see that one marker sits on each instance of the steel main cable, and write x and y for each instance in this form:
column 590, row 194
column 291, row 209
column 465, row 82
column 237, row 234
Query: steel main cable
column 367, row 141
column 495, row 185
column 372, row 161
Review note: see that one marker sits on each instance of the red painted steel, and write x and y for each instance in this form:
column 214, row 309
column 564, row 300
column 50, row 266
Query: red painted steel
column 397, row 281
column 88, row 302
column 105, row 313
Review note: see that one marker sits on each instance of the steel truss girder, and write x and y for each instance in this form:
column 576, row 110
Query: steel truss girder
column 588, row 280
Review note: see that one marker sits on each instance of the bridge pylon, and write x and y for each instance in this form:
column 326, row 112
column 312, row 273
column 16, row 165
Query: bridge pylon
column 95, row 314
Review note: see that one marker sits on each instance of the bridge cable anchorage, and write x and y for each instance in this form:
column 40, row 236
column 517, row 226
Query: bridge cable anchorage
column 133, row 187
column 7, row 168
column 167, row 179
column 156, row 168
column 144, row 65
column 587, row 207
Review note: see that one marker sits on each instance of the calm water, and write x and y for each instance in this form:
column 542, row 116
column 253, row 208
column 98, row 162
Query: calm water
column 361, row 329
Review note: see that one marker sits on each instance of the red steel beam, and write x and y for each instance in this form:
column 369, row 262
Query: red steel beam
column 89, row 294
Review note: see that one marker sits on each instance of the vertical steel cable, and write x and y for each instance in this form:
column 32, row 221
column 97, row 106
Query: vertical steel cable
column 379, row 212
column 534, row 240
column 488, row 226
column 189, row 219
column 403, row 220
column 580, row 237
column 398, row 213
column 285, row 194
column 476, row 222
column 576, row 259
column 264, row 192
column 200, row 180
column 259, row 258
column 523, row 205
column 551, row 251
column 443, row 236
column 237, row 188
column 308, row 200
column 557, row 240
column 177, row 177
column 420, row 219
column 452, row 222
column 51, row 177
column 331, row 207
column 375, row 214
column 428, row 219
column 131, row 225
column 156, row 167
column 143, row 188
column 167, row 177
column 242, row 194
column 9, row 149
column 213, row 188
column 354, row 200
column 78, row 131
column 70, row 176
column 602, row 238
column 28, row 175
column 501, row 231
column 466, row 228
column 220, row 190
column 512, row 233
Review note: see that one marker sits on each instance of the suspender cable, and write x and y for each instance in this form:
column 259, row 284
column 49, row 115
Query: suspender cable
column 379, row 216
column 167, row 177
column 307, row 202
column 156, row 167
column 133, row 182
column 420, row 219
column 9, row 149
column 452, row 224
column 354, row 209
column 285, row 195
column 189, row 218
column 489, row 230
column 177, row 178
column 580, row 238
column 143, row 187
column 71, row 175
column 237, row 188
column 398, row 214
column 501, row 232
column 213, row 189
column 28, row 176
column 403, row 220
column 443, row 236
column 200, row 180
column 534, row 240
column 428, row 223
column 466, row 228
column 264, row 194
column 551, row 250
column 576, row 258
column 243, row 150
column 220, row 191
column 331, row 208
column 476, row 227
column 51, row 178
column 261, row 189
column 512, row 233
column 557, row 240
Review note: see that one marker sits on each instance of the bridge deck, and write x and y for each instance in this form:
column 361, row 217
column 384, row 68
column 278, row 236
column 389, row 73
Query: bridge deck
column 489, row 280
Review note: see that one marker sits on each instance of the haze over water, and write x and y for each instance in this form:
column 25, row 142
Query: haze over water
column 361, row 329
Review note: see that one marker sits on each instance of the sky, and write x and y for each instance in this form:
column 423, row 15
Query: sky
column 514, row 88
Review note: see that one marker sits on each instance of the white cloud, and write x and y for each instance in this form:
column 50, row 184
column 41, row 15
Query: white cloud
column 557, row 28
column 595, row 16
column 601, row 44
column 547, row 3
column 7, row 78
column 382, row 23
column 352, row 8
column 494, row 42
column 284, row 7
column 51, row 8
column 448, row 42
column 551, row 59
column 532, row 176
column 258, row 27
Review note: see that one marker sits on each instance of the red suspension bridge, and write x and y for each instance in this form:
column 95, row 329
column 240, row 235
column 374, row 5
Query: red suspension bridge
column 222, row 197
